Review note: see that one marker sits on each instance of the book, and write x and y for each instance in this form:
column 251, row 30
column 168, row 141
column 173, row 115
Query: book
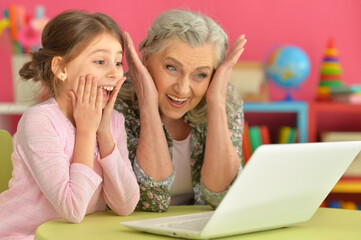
column 265, row 135
column 246, row 144
column 284, row 134
column 292, row 138
column 354, row 170
column 255, row 137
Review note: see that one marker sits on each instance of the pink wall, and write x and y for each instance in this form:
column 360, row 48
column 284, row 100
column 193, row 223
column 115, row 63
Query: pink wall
column 266, row 23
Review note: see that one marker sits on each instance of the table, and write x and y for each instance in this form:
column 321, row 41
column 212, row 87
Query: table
column 298, row 107
column 327, row 223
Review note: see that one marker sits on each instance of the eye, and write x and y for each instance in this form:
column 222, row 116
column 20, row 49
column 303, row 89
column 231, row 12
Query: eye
column 202, row 75
column 119, row 64
column 171, row 68
column 100, row 62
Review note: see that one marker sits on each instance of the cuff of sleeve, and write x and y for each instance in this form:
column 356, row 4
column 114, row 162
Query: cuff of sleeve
column 84, row 171
column 214, row 199
column 112, row 160
column 154, row 196
column 142, row 177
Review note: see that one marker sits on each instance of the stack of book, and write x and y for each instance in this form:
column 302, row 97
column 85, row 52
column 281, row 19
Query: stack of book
column 254, row 136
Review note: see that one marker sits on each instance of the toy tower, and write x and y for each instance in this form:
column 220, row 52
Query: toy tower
column 330, row 74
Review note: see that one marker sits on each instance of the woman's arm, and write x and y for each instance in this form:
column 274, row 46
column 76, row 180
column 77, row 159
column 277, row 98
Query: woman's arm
column 154, row 196
column 152, row 161
column 152, row 152
column 221, row 161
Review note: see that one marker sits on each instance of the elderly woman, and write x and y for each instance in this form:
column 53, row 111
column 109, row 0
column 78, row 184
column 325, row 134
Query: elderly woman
column 184, row 121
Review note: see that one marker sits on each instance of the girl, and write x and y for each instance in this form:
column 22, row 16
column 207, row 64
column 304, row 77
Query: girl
column 70, row 152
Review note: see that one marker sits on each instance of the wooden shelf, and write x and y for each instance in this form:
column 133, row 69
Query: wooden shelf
column 331, row 116
column 297, row 107
column 348, row 185
column 12, row 108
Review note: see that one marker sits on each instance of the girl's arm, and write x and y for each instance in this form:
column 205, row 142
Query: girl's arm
column 221, row 162
column 121, row 190
column 104, row 135
column 87, row 110
column 68, row 186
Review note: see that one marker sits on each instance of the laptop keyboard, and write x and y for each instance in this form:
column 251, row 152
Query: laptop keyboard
column 192, row 224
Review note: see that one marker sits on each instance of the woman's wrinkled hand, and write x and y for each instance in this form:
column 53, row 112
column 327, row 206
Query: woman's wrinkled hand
column 142, row 81
column 217, row 90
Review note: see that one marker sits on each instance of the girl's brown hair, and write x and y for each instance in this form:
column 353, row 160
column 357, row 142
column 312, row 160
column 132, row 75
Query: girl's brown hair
column 66, row 35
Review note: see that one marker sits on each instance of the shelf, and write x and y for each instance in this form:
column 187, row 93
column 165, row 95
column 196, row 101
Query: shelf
column 298, row 107
column 331, row 116
column 12, row 108
column 348, row 185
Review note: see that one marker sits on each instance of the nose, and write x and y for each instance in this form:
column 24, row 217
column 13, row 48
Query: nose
column 182, row 86
column 114, row 72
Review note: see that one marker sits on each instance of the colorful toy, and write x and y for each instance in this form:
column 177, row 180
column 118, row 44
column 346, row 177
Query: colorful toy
column 24, row 30
column 330, row 73
column 334, row 204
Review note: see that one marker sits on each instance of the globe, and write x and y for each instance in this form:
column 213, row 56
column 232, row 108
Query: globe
column 288, row 67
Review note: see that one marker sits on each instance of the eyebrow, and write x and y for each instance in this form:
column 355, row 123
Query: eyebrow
column 180, row 64
column 103, row 50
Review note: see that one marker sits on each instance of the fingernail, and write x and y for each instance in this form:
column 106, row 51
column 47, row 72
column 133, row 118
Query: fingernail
column 243, row 35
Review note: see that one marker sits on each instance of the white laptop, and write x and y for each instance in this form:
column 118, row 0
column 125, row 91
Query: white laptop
column 282, row 184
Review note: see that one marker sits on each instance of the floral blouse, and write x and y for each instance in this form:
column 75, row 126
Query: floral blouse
column 155, row 196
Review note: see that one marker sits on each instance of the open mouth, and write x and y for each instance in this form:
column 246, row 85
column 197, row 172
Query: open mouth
column 107, row 90
column 177, row 100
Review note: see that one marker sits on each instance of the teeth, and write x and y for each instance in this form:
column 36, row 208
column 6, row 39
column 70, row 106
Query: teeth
column 108, row 88
column 177, row 99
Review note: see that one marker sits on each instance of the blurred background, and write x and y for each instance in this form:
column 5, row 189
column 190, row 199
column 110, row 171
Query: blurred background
column 307, row 24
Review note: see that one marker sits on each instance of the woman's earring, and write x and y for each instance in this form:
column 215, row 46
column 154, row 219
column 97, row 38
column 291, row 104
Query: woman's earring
column 62, row 78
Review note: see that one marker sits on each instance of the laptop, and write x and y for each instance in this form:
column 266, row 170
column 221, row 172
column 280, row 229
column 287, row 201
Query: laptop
column 282, row 184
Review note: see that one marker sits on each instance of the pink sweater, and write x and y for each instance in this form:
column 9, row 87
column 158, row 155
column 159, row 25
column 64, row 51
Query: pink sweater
column 46, row 184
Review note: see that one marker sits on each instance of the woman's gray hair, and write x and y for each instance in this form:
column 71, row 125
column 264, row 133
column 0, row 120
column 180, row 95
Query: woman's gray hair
column 192, row 28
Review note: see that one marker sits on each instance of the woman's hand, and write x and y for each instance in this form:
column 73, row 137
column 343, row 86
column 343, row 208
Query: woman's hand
column 87, row 105
column 142, row 81
column 217, row 90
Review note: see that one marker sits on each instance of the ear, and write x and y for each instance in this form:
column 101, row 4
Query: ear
column 146, row 60
column 58, row 68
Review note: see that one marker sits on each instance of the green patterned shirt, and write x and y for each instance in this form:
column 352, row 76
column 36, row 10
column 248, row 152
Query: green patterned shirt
column 155, row 196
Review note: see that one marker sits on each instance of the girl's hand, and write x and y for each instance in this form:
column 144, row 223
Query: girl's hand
column 107, row 111
column 142, row 81
column 217, row 90
column 87, row 105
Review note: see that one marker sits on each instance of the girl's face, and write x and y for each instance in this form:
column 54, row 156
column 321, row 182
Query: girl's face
column 101, row 59
column 181, row 74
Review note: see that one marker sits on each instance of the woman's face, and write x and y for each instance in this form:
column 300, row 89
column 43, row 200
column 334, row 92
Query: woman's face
column 181, row 74
column 101, row 59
